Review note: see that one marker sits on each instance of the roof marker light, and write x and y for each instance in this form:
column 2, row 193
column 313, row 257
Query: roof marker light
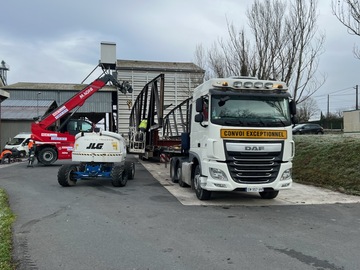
column 237, row 84
column 248, row 84
column 268, row 85
column 258, row 84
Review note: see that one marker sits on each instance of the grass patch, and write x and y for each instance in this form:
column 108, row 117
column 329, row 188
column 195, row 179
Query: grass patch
column 328, row 161
column 6, row 220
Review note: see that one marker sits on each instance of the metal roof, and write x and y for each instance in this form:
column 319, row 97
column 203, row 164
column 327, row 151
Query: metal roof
column 160, row 66
column 24, row 109
column 52, row 86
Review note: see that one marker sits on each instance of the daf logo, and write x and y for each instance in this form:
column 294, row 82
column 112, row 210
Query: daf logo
column 254, row 148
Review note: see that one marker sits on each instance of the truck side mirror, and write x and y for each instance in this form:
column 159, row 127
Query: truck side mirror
column 199, row 118
column 294, row 119
column 199, row 104
column 292, row 107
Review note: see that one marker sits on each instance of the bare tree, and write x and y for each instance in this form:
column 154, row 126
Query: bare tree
column 307, row 109
column 348, row 13
column 284, row 44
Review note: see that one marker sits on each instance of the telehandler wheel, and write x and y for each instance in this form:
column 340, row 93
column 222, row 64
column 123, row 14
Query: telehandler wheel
column 268, row 195
column 130, row 169
column 118, row 176
column 66, row 175
column 201, row 193
column 47, row 156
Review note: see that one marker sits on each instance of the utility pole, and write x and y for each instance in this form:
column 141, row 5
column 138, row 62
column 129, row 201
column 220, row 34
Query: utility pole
column 328, row 106
column 357, row 94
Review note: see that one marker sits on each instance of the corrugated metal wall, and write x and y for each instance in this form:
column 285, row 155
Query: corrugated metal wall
column 178, row 87
column 11, row 128
column 100, row 102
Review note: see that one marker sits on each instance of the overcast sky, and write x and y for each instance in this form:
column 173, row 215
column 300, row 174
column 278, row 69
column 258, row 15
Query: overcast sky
column 59, row 41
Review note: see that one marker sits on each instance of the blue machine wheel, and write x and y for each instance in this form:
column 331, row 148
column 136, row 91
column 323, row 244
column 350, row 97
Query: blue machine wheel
column 118, row 176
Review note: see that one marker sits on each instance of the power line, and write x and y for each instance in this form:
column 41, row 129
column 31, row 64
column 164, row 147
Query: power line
column 336, row 91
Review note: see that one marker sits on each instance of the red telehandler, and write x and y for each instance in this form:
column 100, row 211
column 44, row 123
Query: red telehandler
column 52, row 141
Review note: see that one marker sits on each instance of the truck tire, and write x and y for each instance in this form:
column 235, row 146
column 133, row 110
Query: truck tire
column 201, row 193
column 65, row 175
column 173, row 169
column 178, row 174
column 130, row 169
column 47, row 156
column 118, row 176
column 22, row 154
column 268, row 195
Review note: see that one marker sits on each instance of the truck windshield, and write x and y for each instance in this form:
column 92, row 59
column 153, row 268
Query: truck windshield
column 250, row 111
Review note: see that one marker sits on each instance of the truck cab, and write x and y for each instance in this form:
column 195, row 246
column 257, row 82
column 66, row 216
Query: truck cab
column 240, row 137
column 74, row 126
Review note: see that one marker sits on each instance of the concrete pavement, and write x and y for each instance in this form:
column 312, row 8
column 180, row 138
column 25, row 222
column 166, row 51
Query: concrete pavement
column 298, row 195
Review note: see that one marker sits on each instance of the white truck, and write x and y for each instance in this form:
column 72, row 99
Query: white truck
column 240, row 138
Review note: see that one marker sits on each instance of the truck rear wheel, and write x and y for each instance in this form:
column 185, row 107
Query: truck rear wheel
column 47, row 156
column 173, row 169
column 179, row 176
column 201, row 193
column 268, row 195
column 118, row 176
column 130, row 169
column 66, row 175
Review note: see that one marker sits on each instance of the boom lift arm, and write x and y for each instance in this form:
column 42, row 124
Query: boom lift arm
column 79, row 99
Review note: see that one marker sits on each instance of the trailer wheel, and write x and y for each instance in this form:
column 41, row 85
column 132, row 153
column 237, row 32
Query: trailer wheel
column 268, row 195
column 173, row 169
column 47, row 156
column 66, row 175
column 130, row 169
column 201, row 193
column 118, row 176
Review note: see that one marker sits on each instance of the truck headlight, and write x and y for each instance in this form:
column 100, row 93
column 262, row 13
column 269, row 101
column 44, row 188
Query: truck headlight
column 218, row 174
column 286, row 175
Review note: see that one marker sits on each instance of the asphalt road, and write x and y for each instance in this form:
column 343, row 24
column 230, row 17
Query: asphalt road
column 144, row 226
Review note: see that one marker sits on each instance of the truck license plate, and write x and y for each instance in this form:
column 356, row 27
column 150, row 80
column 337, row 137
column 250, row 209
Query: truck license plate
column 254, row 189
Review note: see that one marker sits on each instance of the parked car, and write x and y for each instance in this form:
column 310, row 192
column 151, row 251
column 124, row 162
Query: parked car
column 308, row 129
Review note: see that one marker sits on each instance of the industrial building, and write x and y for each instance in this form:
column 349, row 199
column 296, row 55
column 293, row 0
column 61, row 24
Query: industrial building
column 26, row 101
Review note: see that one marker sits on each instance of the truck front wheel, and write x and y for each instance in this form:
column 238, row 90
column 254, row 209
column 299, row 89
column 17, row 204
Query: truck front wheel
column 66, row 175
column 201, row 193
column 118, row 176
column 47, row 156
column 269, row 194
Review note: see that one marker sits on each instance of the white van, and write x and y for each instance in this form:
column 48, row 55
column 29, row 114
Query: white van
column 20, row 142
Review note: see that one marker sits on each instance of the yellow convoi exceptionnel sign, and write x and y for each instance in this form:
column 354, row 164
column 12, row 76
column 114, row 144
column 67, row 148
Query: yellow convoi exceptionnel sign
column 253, row 134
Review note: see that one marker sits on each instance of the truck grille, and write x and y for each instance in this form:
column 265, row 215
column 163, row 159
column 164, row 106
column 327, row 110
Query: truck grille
column 254, row 167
